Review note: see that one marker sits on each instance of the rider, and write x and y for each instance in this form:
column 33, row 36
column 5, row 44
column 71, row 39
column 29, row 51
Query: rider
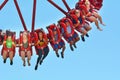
column 8, row 48
column 56, row 40
column 41, row 47
column 25, row 47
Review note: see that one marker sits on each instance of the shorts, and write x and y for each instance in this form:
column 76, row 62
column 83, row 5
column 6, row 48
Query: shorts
column 75, row 35
column 59, row 45
column 80, row 29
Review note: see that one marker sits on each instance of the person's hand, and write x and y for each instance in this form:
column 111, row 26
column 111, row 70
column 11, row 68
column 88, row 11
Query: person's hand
column 30, row 44
column 21, row 44
column 13, row 44
column 4, row 42
column 84, row 16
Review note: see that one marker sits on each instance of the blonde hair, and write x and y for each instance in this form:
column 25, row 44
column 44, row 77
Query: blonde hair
column 25, row 33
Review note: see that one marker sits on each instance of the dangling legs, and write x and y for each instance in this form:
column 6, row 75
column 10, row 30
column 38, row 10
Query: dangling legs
column 11, row 55
column 39, row 58
column 62, row 53
column 56, row 51
column 76, row 39
column 99, row 18
column 93, row 19
column 4, row 56
column 46, row 51
column 55, row 46
column 28, row 57
column 71, row 43
column 83, row 32
column 87, row 28
column 23, row 57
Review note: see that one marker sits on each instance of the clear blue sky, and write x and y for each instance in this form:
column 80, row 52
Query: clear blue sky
column 96, row 59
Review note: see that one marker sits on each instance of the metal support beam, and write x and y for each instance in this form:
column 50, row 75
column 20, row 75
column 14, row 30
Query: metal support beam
column 3, row 4
column 20, row 15
column 33, row 15
column 66, row 5
column 59, row 8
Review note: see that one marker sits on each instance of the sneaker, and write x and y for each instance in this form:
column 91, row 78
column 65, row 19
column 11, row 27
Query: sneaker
column 11, row 62
column 24, row 64
column 87, row 35
column 41, row 62
column 4, row 61
column 83, row 39
column 57, row 55
column 71, row 48
column 62, row 55
column 75, row 45
column 36, row 67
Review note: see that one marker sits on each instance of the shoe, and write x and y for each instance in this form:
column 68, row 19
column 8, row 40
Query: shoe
column 87, row 35
column 57, row 55
column 71, row 48
column 4, row 61
column 41, row 62
column 75, row 45
column 36, row 67
column 11, row 62
column 62, row 55
column 83, row 39
column 29, row 63
column 24, row 64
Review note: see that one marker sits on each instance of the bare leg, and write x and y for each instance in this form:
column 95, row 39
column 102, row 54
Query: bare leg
column 23, row 57
column 76, row 40
column 83, row 32
column 28, row 57
column 56, row 51
column 99, row 18
column 71, row 43
column 11, row 57
column 4, row 56
column 93, row 19
column 62, row 53
column 87, row 27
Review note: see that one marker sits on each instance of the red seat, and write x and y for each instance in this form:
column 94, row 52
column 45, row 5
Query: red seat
column 51, row 36
column 44, row 36
column 21, row 48
column 1, row 37
column 64, row 27
column 97, row 3
column 9, row 49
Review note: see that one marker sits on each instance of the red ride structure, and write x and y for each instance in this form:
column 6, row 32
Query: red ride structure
column 65, row 28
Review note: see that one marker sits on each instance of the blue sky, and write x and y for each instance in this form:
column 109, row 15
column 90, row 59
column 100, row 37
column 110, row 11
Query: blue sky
column 96, row 59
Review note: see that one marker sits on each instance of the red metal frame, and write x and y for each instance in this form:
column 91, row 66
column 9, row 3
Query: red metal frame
column 20, row 15
column 3, row 4
column 58, row 7
column 66, row 5
column 33, row 15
